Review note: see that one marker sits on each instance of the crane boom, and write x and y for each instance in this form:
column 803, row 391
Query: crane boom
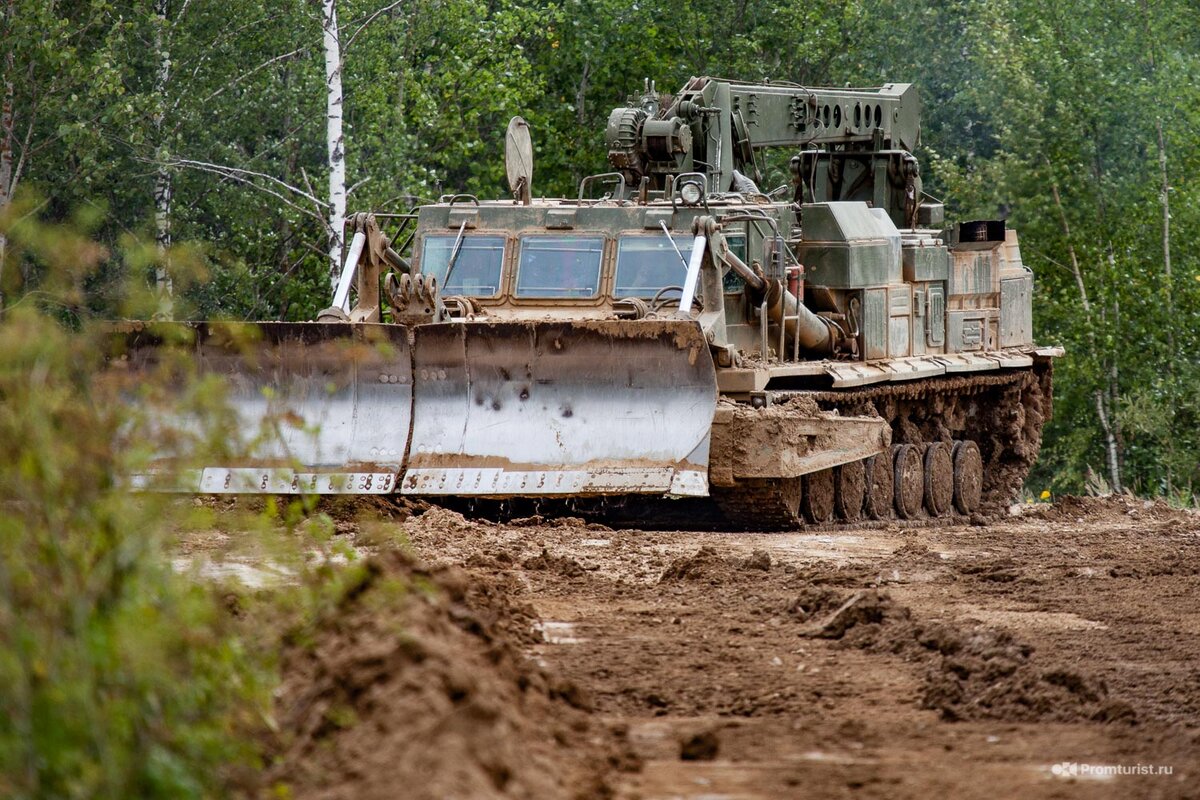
column 714, row 127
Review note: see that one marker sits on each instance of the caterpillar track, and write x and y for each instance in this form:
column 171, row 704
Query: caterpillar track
column 961, row 447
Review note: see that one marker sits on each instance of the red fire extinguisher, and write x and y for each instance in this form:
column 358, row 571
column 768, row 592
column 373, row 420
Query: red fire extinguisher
column 794, row 283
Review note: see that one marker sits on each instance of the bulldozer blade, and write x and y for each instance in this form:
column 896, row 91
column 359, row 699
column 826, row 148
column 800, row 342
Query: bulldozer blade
column 526, row 408
column 321, row 408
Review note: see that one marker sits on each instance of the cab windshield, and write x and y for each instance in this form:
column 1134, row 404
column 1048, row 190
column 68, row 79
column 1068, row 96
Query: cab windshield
column 476, row 269
column 559, row 266
column 646, row 264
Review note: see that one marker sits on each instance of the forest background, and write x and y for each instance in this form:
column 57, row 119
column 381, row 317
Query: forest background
column 194, row 140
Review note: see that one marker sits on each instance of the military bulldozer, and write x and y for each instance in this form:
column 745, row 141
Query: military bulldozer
column 673, row 338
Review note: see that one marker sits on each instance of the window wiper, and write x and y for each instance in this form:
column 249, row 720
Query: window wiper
column 454, row 254
column 662, row 224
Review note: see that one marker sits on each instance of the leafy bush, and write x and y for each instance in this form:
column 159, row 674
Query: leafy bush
column 120, row 679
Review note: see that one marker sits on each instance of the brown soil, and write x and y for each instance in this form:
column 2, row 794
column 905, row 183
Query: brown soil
column 415, row 686
column 555, row 657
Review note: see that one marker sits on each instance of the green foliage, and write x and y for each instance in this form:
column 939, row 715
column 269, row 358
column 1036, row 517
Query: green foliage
column 1064, row 102
column 121, row 679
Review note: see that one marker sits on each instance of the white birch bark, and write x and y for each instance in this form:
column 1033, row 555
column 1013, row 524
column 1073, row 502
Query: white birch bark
column 1169, row 291
column 1165, row 200
column 335, row 144
column 162, row 178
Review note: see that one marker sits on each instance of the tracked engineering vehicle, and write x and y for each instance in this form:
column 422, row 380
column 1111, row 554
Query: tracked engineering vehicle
column 830, row 352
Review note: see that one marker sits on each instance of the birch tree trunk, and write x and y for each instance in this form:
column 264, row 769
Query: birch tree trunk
column 162, row 178
column 335, row 144
column 1111, row 443
column 1168, row 289
column 6, row 133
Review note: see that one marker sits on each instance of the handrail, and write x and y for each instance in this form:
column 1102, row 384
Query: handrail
column 620, row 181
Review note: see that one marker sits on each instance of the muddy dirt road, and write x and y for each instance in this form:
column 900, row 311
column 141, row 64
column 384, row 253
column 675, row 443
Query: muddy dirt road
column 1053, row 654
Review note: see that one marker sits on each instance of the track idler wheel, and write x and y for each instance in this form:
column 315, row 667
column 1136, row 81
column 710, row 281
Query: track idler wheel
column 849, row 489
column 817, row 500
column 939, row 479
column 879, row 495
column 910, row 483
column 968, row 475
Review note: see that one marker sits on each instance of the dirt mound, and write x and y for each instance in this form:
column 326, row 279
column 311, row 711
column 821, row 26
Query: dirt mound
column 412, row 685
column 1069, row 508
column 706, row 565
column 759, row 560
column 555, row 521
column 547, row 561
column 829, row 614
column 353, row 507
column 971, row 673
column 980, row 673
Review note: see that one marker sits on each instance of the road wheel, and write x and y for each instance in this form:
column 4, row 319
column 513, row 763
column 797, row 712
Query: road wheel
column 817, row 501
column 939, row 479
column 849, row 488
column 910, row 483
column 879, row 486
column 787, row 498
column 968, row 475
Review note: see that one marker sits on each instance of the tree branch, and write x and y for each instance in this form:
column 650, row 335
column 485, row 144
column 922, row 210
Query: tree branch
column 262, row 66
column 19, row 169
column 368, row 21
column 244, row 176
column 225, row 169
column 320, row 207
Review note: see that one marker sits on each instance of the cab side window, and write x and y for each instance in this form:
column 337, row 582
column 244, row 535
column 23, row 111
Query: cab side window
column 477, row 266
column 646, row 264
